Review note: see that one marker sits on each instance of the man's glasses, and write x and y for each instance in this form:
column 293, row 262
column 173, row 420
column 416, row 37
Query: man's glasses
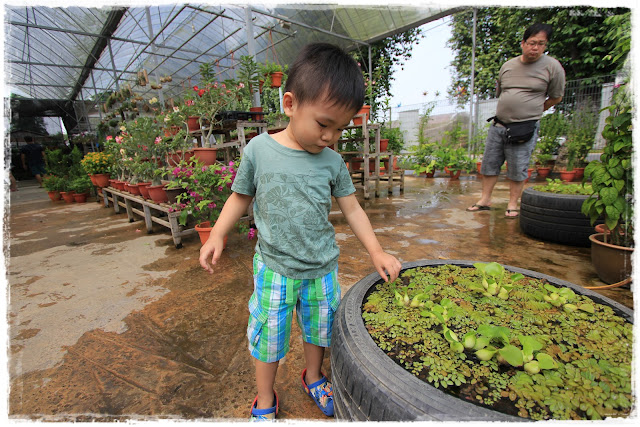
column 541, row 44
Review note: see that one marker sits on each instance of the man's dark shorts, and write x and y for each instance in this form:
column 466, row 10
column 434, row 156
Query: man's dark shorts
column 37, row 170
column 497, row 150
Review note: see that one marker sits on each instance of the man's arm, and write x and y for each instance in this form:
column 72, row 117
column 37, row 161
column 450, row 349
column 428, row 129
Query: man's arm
column 550, row 102
column 361, row 226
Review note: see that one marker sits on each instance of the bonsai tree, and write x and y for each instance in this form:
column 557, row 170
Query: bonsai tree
column 612, row 175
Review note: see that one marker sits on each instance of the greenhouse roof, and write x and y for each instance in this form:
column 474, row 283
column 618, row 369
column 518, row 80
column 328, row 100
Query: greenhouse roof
column 57, row 58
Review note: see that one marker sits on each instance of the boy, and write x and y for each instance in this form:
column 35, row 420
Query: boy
column 293, row 176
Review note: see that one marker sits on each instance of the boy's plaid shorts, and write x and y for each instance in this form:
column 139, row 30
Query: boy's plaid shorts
column 271, row 311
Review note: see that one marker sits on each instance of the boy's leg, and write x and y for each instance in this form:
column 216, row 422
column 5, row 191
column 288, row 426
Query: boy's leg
column 265, row 378
column 313, row 356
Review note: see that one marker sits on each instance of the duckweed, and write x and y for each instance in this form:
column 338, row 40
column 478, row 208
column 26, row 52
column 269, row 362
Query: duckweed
column 576, row 353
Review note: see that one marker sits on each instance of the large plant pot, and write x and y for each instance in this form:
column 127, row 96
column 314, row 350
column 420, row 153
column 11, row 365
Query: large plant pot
column 67, row 196
column 257, row 117
column 204, row 230
column 157, row 193
column 357, row 121
column 612, row 262
column 133, row 189
column 579, row 174
column 119, row 185
column 193, row 123
column 369, row 386
column 206, row 155
column 276, row 79
column 54, row 195
column 555, row 217
column 567, row 176
column 384, row 145
column 143, row 187
column 80, row 197
column 101, row 179
column 453, row 174
column 543, row 172
column 173, row 193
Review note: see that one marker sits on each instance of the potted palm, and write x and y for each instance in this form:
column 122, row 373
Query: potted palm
column 612, row 197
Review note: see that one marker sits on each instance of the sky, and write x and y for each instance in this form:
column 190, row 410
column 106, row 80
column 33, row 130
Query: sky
column 428, row 70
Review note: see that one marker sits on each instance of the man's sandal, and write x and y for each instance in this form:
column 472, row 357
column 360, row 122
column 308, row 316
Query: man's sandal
column 508, row 212
column 477, row 207
column 268, row 414
column 321, row 392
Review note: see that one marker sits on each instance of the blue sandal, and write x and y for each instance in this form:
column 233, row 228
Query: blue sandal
column 321, row 392
column 268, row 414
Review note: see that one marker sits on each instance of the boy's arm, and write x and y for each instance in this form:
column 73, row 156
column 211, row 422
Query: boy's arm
column 234, row 208
column 361, row 226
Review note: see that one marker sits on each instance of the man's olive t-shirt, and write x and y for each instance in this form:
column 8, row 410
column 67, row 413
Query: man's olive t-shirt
column 523, row 88
column 293, row 190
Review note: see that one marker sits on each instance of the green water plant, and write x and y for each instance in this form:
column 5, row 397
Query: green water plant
column 544, row 352
column 493, row 280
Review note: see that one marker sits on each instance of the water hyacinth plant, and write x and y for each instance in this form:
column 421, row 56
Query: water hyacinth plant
column 537, row 351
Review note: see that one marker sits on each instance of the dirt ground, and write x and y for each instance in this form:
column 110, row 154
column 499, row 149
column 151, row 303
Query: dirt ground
column 107, row 322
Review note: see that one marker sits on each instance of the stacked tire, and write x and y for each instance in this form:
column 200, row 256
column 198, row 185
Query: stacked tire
column 555, row 218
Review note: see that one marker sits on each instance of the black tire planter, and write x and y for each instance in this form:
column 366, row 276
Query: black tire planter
column 370, row 386
column 555, row 217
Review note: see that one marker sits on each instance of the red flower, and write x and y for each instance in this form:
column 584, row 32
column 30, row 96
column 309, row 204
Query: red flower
column 195, row 88
column 201, row 92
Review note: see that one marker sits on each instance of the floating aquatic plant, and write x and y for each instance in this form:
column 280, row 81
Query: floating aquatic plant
column 536, row 351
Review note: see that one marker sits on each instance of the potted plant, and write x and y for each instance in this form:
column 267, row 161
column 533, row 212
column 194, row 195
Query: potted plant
column 81, row 187
column 206, row 189
column 453, row 160
column 422, row 158
column 98, row 165
column 273, row 73
column 581, row 135
column 53, row 185
column 542, row 163
column 463, row 340
column 612, row 198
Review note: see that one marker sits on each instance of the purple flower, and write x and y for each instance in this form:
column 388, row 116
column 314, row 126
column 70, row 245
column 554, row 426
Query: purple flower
column 211, row 205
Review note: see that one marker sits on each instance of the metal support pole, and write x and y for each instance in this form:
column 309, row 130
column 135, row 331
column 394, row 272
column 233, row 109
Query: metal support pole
column 154, row 49
column 251, row 47
column 473, row 75
column 370, row 75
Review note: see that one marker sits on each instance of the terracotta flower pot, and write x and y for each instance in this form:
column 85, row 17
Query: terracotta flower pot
column 204, row 230
column 193, row 124
column 173, row 193
column 453, row 174
column 143, row 187
column 134, row 189
column 357, row 121
column 157, row 193
column 101, row 179
column 478, row 166
column 276, row 79
column 54, row 195
column 257, row 117
column 579, row 174
column 543, row 172
column 384, row 145
column 206, row 155
column 93, row 180
column 67, row 196
column 80, row 198
column 119, row 185
column 612, row 262
column 567, row 176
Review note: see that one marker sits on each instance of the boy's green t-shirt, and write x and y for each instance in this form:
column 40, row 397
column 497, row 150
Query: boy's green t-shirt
column 293, row 190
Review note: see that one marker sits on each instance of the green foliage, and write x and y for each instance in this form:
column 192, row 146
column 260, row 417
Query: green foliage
column 395, row 137
column 385, row 54
column 543, row 362
column 581, row 133
column 557, row 186
column 612, row 176
column 81, row 184
column 52, row 183
column 582, row 37
column 552, row 127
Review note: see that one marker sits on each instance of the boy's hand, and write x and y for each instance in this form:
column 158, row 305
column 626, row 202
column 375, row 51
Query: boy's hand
column 213, row 248
column 386, row 263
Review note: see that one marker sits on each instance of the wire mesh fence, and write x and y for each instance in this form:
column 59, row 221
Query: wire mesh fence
column 430, row 120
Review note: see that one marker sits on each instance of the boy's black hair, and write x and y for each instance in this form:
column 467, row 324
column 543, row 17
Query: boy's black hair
column 28, row 138
column 535, row 29
column 322, row 69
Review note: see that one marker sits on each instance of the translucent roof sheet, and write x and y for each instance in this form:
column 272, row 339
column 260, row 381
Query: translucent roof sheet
column 75, row 53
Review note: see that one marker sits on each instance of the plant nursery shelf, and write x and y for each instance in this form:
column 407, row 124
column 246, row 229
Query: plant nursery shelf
column 132, row 206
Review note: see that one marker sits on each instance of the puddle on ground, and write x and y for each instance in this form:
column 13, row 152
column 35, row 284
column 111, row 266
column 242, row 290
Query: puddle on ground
column 427, row 241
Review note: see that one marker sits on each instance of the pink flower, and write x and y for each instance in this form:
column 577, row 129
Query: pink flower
column 231, row 164
column 211, row 205
column 251, row 234
column 241, row 85
column 109, row 138
column 158, row 140
column 119, row 139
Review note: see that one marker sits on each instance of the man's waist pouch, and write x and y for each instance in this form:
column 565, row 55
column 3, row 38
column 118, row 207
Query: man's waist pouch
column 518, row 132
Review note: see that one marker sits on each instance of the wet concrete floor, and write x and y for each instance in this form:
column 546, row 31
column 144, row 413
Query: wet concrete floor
column 107, row 322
